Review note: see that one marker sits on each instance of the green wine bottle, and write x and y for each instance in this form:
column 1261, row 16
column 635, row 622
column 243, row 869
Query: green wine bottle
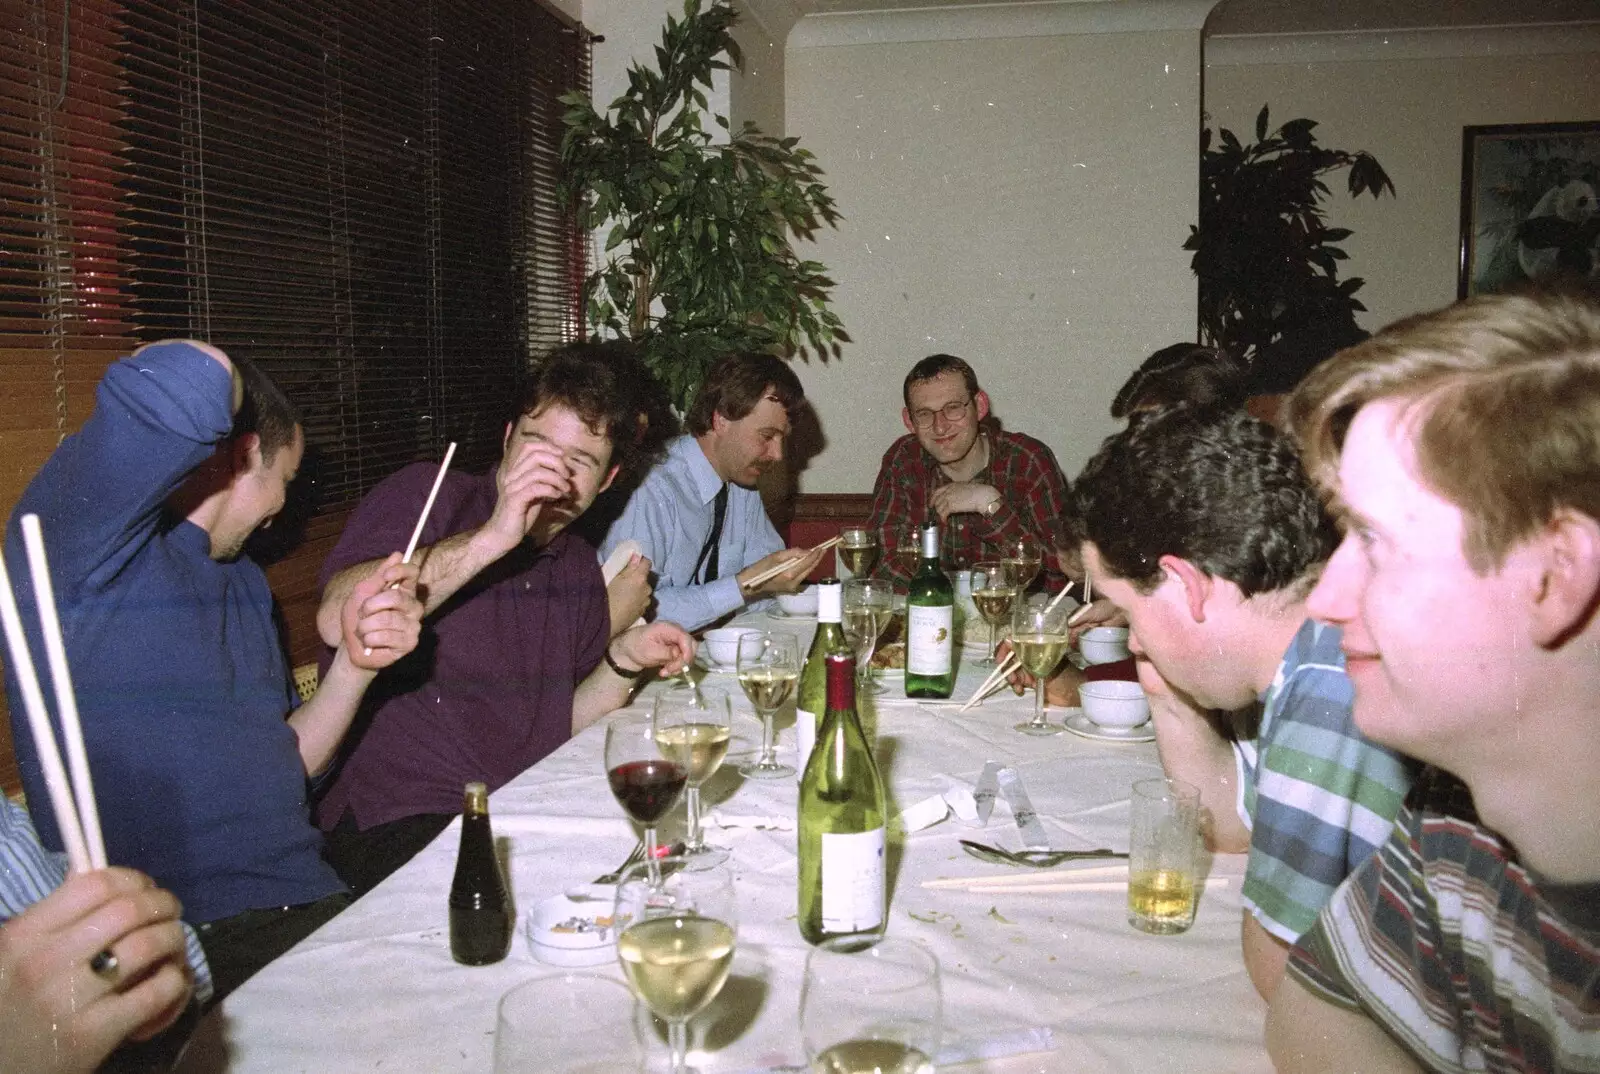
column 829, row 638
column 930, row 625
column 841, row 824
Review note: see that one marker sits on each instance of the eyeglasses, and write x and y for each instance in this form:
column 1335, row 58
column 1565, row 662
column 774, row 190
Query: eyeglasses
column 923, row 418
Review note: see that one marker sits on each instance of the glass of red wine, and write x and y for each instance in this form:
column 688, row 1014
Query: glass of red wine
column 645, row 781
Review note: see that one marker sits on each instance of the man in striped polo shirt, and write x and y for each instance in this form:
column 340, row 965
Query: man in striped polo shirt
column 1203, row 528
column 1463, row 449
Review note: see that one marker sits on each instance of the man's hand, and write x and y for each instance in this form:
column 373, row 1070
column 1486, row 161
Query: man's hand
column 381, row 620
column 792, row 580
column 962, row 497
column 1060, row 689
column 59, row 1016
column 661, row 645
column 538, row 476
column 1101, row 613
column 629, row 593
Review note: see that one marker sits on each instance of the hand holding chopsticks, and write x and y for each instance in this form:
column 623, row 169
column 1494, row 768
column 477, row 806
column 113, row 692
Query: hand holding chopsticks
column 810, row 556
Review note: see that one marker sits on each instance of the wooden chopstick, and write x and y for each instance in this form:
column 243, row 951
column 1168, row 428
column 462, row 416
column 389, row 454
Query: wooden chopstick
column 1006, row 880
column 83, row 851
column 1045, row 887
column 992, row 683
column 789, row 565
column 422, row 519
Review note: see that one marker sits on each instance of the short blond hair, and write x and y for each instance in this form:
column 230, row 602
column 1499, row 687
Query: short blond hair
column 1502, row 397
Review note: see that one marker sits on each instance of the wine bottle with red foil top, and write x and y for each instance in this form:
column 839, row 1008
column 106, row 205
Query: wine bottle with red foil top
column 841, row 823
column 481, row 919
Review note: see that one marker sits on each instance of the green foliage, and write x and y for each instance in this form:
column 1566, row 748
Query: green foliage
column 699, row 261
column 1267, row 262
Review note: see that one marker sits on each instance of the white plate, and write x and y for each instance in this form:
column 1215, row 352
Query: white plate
column 1079, row 724
column 776, row 612
column 569, row 932
column 703, row 658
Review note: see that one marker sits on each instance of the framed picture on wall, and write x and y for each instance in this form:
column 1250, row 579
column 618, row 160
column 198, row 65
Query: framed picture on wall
column 1528, row 208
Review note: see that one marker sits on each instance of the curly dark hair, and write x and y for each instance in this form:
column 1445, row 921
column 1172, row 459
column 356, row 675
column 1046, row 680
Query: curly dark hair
column 265, row 411
column 737, row 383
column 1216, row 487
column 1183, row 373
column 605, row 384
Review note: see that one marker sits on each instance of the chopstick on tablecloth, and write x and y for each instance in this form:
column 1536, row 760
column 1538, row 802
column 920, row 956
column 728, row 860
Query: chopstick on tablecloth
column 1041, row 886
column 1006, row 880
column 788, row 565
column 77, row 818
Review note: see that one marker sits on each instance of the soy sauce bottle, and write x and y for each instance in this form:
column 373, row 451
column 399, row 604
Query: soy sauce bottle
column 480, row 912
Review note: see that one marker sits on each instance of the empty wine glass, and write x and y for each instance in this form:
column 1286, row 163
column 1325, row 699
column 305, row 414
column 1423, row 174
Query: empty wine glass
column 859, row 550
column 769, row 669
column 875, row 1008
column 1022, row 560
column 1039, row 638
column 993, row 593
column 645, row 780
column 692, row 727
column 675, row 941
column 868, row 607
column 535, row 1020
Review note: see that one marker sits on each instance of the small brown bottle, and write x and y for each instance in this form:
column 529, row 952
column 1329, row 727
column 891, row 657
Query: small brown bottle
column 480, row 913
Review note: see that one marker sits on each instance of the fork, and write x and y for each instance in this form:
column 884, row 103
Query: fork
column 1036, row 859
column 634, row 858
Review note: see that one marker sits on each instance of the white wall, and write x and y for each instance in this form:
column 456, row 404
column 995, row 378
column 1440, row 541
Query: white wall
column 1404, row 98
column 1019, row 201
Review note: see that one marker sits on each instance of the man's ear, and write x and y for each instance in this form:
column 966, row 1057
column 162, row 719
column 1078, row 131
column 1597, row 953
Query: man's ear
column 245, row 453
column 905, row 416
column 1197, row 584
column 1568, row 587
column 505, row 441
column 982, row 402
column 611, row 475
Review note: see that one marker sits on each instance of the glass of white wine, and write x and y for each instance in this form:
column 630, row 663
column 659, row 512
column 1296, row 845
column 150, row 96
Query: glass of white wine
column 1022, row 560
column 1039, row 637
column 859, row 550
column 993, row 593
column 693, row 727
column 871, row 1010
column 868, row 607
column 769, row 669
column 675, row 941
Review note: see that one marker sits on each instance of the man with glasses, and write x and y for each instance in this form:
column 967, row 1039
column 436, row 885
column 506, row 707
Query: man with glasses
column 1006, row 483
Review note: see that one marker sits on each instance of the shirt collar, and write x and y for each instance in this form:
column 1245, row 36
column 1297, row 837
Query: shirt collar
column 707, row 483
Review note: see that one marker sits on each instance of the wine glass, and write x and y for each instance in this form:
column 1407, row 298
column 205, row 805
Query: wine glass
column 535, row 1019
column 675, row 941
column 769, row 669
column 868, row 607
column 993, row 593
column 1039, row 638
column 859, row 550
column 871, row 1008
column 1021, row 558
column 693, row 728
column 644, row 779
column 905, row 546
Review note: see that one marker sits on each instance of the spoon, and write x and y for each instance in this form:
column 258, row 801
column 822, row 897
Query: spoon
column 1036, row 859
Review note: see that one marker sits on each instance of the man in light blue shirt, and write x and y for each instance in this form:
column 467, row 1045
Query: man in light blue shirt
column 697, row 517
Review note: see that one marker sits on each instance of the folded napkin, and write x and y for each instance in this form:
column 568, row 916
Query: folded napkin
column 955, row 798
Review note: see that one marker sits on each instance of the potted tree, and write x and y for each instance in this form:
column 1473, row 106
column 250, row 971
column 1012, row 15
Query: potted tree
column 1266, row 259
column 699, row 254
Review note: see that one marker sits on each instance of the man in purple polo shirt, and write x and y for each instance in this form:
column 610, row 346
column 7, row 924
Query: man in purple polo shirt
column 514, row 657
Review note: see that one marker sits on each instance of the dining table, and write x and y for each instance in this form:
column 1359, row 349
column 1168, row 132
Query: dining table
column 1032, row 982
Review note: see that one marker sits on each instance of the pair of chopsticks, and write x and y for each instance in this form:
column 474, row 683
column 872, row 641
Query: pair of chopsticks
column 789, row 565
column 1096, row 878
column 427, row 507
column 77, row 818
column 998, row 676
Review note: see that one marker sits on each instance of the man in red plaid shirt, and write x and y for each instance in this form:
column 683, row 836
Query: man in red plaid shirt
column 1007, row 485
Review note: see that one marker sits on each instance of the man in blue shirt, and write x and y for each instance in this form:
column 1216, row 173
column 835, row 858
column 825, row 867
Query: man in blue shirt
column 200, row 757
column 697, row 516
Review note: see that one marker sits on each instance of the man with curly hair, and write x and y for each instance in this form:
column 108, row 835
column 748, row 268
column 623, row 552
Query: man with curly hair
column 1201, row 526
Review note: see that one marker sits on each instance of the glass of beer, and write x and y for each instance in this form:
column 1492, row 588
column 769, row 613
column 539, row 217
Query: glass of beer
column 1163, row 856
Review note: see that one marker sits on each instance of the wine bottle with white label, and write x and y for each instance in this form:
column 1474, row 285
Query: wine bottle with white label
column 829, row 638
column 841, row 824
column 930, row 625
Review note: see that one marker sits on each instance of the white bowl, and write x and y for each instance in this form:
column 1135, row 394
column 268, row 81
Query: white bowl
column 801, row 603
column 1104, row 644
column 1114, row 703
column 722, row 644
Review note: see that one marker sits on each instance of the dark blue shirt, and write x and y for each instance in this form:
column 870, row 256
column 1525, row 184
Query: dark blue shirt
column 181, row 680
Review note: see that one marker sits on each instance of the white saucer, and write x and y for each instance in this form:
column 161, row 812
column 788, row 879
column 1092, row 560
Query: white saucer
column 1081, row 725
column 777, row 612
column 703, row 658
column 569, row 932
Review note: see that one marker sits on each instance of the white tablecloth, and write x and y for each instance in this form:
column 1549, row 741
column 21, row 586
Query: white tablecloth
column 376, row 990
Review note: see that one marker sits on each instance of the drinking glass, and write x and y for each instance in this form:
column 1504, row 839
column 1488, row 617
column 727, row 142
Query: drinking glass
column 644, row 779
column 868, row 606
column 993, row 594
column 859, row 550
column 769, row 669
column 692, row 728
column 905, row 546
column 675, row 941
column 1021, row 559
column 1039, row 638
column 871, row 1008
column 533, row 1028
column 1163, row 853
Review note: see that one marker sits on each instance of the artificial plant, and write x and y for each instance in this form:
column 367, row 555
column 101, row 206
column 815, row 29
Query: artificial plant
column 699, row 255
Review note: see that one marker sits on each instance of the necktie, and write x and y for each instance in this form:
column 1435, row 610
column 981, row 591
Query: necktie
column 708, row 552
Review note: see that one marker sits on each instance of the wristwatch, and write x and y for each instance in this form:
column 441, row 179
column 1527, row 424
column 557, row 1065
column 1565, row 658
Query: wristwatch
column 992, row 508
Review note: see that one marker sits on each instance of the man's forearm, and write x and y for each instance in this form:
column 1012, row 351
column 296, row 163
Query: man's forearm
column 602, row 692
column 445, row 568
column 320, row 724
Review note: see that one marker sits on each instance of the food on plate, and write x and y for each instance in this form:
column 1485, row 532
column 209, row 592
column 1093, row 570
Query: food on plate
column 890, row 657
